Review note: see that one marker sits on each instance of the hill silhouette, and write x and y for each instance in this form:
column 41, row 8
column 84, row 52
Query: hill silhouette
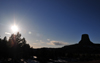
column 85, row 50
column 84, row 46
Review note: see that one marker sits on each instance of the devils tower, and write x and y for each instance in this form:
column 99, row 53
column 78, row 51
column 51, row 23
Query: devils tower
column 85, row 40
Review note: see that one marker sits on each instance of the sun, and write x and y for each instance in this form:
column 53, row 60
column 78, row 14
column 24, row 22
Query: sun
column 14, row 28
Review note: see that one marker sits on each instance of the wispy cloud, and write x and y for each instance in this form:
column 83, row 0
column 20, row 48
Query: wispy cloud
column 34, row 43
column 37, row 40
column 7, row 33
column 48, row 39
column 41, row 41
column 58, row 43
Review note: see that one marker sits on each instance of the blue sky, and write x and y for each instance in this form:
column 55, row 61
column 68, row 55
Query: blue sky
column 51, row 23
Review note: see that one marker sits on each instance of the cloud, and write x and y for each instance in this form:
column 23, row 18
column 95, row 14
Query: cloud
column 48, row 39
column 37, row 40
column 30, row 32
column 57, row 43
column 8, row 33
column 41, row 41
column 34, row 43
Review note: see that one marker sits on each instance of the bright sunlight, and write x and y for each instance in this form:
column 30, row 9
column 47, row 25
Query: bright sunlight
column 14, row 28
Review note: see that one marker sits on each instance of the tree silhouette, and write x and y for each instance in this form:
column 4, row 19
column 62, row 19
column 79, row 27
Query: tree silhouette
column 19, row 48
column 16, row 40
column 15, row 47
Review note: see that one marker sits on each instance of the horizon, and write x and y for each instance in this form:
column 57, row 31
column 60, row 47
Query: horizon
column 51, row 23
column 86, row 38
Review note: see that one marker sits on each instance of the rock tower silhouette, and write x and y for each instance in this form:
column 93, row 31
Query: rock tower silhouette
column 85, row 40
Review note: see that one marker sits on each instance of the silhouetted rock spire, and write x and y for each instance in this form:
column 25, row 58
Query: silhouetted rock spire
column 85, row 40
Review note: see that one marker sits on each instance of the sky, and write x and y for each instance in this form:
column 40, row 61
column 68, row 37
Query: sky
column 51, row 23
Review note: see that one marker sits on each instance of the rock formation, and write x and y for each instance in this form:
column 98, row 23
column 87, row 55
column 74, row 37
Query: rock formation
column 85, row 40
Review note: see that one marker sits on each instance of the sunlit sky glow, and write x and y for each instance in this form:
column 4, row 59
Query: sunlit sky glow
column 51, row 23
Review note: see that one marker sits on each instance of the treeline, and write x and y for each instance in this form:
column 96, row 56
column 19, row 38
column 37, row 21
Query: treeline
column 15, row 47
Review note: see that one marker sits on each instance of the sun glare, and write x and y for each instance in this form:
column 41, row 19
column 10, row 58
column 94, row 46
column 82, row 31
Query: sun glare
column 14, row 28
